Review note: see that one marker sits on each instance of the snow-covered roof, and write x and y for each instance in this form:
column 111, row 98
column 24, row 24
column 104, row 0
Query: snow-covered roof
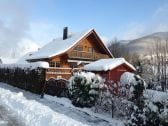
column 23, row 59
column 59, row 46
column 107, row 64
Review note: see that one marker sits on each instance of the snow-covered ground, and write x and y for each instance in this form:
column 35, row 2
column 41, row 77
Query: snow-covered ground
column 49, row 111
column 156, row 96
column 8, row 118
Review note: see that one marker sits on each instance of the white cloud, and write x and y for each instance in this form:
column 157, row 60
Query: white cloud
column 15, row 39
column 14, row 24
column 43, row 32
column 158, row 22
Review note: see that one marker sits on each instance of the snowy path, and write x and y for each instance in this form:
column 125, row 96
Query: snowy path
column 7, row 118
column 48, row 111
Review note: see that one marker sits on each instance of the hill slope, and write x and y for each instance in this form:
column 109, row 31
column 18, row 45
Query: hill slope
column 144, row 44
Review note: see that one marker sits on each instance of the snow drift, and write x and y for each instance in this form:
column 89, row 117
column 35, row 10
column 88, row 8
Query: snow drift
column 33, row 112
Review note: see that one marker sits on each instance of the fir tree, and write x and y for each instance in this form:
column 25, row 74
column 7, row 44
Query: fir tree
column 84, row 90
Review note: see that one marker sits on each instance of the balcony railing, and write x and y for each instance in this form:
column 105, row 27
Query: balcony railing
column 61, row 70
column 86, row 55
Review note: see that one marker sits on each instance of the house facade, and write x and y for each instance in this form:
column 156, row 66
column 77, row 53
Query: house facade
column 70, row 53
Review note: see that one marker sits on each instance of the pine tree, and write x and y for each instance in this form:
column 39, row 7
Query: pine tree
column 84, row 89
column 138, row 100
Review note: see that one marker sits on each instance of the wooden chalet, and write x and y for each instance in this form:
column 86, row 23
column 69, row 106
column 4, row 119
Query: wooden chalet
column 71, row 52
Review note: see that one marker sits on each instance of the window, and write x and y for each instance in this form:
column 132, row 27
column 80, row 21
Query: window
column 57, row 64
column 52, row 64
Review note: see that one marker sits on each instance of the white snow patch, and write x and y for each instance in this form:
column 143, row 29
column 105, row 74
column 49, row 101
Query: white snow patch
column 107, row 64
column 34, row 65
column 33, row 112
column 8, row 60
column 156, row 96
column 127, row 78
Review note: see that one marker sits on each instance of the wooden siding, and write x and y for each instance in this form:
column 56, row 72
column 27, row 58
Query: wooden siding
column 89, row 48
column 86, row 55
column 114, row 74
column 86, row 44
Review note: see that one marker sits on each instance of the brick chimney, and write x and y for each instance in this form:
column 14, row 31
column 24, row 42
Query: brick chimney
column 65, row 33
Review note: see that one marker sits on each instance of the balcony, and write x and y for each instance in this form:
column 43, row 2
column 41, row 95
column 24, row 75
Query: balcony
column 60, row 72
column 86, row 55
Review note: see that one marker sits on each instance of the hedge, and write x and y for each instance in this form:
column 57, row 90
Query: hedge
column 29, row 79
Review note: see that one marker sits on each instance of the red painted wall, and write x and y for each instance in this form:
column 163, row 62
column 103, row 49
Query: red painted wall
column 115, row 73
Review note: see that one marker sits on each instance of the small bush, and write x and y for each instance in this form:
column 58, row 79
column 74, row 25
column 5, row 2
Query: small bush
column 84, row 88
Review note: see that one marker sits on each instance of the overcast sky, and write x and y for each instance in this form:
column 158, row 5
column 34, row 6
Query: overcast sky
column 40, row 21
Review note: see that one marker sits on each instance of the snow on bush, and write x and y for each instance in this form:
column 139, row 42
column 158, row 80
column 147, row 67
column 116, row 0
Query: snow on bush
column 84, row 88
column 127, row 78
column 148, row 110
column 128, row 83
column 156, row 96
column 111, row 102
column 160, row 104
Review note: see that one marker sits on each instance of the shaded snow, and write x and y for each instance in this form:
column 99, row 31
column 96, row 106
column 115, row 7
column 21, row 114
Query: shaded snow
column 107, row 64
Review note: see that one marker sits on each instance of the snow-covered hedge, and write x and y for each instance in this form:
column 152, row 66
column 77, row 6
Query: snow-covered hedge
column 28, row 77
column 84, row 88
column 26, row 65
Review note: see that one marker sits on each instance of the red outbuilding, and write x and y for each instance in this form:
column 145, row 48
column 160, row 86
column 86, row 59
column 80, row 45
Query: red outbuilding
column 110, row 69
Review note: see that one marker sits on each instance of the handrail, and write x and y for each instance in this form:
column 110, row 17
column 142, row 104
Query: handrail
column 60, row 70
column 86, row 55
